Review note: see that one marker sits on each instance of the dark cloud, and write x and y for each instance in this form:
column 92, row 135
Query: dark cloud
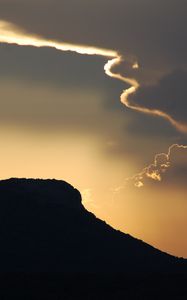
column 52, row 66
column 68, row 72
column 176, row 175
column 152, row 31
column 168, row 95
column 45, row 89
column 49, row 89
column 148, row 126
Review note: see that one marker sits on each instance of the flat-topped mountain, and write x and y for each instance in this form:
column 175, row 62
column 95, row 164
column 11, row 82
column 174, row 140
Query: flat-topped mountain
column 45, row 227
column 38, row 191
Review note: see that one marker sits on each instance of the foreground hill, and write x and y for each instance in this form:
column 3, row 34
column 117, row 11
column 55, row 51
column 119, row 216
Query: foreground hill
column 45, row 227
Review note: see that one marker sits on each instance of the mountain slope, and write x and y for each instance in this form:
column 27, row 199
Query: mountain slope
column 44, row 227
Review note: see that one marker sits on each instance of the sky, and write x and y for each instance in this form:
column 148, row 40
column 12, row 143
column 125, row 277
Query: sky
column 94, row 93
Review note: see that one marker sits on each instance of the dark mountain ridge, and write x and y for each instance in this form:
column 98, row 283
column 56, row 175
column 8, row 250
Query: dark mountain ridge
column 45, row 227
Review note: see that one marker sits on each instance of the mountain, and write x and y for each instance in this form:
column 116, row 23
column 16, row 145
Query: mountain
column 45, row 227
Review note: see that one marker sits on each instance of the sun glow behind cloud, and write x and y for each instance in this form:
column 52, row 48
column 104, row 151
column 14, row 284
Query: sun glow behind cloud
column 154, row 171
column 10, row 34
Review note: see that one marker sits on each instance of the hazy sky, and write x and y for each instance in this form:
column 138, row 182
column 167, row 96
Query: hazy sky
column 61, row 115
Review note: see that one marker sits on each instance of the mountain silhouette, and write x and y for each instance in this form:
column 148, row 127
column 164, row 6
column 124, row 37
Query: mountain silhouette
column 51, row 247
column 45, row 228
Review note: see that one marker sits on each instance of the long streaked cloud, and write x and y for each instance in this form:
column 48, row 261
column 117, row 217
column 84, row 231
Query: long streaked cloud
column 11, row 34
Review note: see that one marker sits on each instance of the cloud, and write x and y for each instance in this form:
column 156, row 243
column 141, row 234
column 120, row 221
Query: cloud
column 161, row 164
column 129, row 27
column 47, row 65
column 152, row 31
column 43, row 88
column 168, row 95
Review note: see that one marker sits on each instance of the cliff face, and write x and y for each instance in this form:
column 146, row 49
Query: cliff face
column 44, row 227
